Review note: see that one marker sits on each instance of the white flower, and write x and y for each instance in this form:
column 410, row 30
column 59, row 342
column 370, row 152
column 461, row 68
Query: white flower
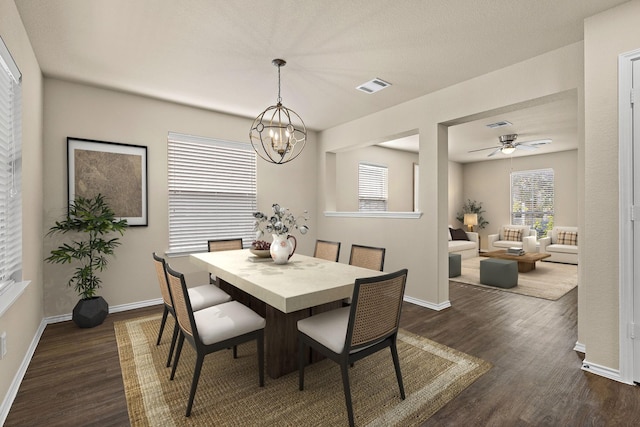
column 282, row 222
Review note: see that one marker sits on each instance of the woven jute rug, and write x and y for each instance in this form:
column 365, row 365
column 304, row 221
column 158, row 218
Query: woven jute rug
column 550, row 280
column 228, row 392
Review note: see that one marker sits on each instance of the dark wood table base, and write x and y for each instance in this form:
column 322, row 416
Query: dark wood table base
column 281, row 330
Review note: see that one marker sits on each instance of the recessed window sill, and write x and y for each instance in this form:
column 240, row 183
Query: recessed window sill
column 11, row 295
column 400, row 215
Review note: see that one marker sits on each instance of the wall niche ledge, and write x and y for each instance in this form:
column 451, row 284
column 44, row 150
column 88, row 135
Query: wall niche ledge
column 396, row 215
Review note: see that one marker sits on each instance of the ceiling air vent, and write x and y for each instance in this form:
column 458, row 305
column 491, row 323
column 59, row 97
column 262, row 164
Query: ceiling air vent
column 498, row 124
column 373, row 86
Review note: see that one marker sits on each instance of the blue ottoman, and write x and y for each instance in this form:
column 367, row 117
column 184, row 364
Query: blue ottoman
column 455, row 265
column 502, row 273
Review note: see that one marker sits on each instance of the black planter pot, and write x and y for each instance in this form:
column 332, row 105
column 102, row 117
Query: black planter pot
column 90, row 312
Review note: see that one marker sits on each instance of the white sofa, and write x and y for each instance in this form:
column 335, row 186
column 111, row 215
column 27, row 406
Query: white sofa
column 466, row 248
column 528, row 238
column 559, row 249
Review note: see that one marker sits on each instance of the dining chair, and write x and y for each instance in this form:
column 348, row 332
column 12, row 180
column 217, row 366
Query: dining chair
column 327, row 250
column 212, row 329
column 202, row 296
column 351, row 333
column 223, row 245
column 367, row 257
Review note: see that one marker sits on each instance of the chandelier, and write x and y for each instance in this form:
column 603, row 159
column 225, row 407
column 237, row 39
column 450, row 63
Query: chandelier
column 278, row 134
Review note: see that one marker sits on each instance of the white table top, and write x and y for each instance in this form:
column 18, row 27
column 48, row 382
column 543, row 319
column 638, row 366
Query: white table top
column 301, row 283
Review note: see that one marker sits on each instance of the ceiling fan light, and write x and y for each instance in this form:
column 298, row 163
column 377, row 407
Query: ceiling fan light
column 508, row 149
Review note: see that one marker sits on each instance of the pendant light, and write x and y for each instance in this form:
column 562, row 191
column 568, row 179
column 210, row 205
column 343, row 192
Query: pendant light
column 278, row 134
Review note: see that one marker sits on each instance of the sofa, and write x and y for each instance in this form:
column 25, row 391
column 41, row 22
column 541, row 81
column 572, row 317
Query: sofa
column 463, row 242
column 561, row 244
column 513, row 236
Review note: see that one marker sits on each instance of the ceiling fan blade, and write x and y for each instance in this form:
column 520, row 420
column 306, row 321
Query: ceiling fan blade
column 482, row 149
column 496, row 151
column 526, row 147
column 535, row 142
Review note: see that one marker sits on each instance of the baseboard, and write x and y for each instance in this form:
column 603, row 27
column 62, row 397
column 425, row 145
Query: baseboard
column 603, row 371
column 427, row 304
column 112, row 309
column 579, row 347
column 22, row 370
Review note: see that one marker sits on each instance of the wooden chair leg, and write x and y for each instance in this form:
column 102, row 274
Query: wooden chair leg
column 301, row 364
column 396, row 364
column 177, row 358
column 164, row 320
column 260, row 341
column 344, row 367
column 194, row 383
column 176, row 329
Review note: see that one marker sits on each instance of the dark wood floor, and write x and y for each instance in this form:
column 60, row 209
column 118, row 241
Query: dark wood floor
column 74, row 377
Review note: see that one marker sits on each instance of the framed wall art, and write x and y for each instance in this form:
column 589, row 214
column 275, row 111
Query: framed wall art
column 117, row 171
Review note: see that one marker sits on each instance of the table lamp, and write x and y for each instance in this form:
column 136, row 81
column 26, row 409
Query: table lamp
column 470, row 219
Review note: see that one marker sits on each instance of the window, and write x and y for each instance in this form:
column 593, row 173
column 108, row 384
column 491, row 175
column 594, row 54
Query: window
column 212, row 192
column 532, row 199
column 372, row 187
column 10, row 171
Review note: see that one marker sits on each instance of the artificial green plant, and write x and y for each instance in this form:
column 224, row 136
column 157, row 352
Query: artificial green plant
column 92, row 220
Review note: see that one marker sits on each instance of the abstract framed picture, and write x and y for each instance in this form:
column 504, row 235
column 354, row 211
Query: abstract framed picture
column 117, row 171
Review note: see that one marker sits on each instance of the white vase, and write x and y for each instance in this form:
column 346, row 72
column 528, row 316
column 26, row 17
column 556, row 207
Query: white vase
column 282, row 248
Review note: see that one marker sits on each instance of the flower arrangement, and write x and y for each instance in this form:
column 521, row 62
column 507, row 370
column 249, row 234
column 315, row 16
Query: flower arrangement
column 282, row 222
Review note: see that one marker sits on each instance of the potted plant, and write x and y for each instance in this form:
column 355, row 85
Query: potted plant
column 91, row 220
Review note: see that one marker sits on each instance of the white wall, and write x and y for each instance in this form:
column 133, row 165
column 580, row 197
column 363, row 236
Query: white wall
column 420, row 244
column 22, row 320
column 87, row 112
column 456, row 193
column 399, row 167
column 607, row 35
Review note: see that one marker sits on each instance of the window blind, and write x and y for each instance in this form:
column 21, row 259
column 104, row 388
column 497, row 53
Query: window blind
column 10, row 171
column 372, row 187
column 532, row 198
column 212, row 192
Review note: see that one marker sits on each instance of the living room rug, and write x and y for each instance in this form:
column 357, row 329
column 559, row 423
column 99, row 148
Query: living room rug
column 550, row 280
column 228, row 392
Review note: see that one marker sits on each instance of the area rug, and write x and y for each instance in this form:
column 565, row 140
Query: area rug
column 228, row 393
column 550, row 280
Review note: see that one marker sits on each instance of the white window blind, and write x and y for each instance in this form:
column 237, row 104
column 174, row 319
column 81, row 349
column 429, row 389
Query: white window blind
column 212, row 192
column 532, row 195
column 10, row 171
column 372, row 187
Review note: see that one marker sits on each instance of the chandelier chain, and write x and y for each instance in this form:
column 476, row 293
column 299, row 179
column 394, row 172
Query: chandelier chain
column 279, row 97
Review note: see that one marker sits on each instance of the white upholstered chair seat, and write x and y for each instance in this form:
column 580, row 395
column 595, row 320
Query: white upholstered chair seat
column 204, row 296
column 559, row 250
column 527, row 241
column 566, row 249
column 328, row 328
column 225, row 321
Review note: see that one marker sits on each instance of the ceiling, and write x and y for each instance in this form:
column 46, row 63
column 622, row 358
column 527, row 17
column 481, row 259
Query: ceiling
column 216, row 54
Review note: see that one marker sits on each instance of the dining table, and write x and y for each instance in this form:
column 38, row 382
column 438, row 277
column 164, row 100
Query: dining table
column 282, row 294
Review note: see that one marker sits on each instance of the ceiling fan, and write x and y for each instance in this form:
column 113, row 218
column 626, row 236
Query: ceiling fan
column 508, row 145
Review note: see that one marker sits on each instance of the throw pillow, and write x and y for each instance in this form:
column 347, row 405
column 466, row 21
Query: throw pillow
column 458, row 234
column 568, row 238
column 512, row 234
